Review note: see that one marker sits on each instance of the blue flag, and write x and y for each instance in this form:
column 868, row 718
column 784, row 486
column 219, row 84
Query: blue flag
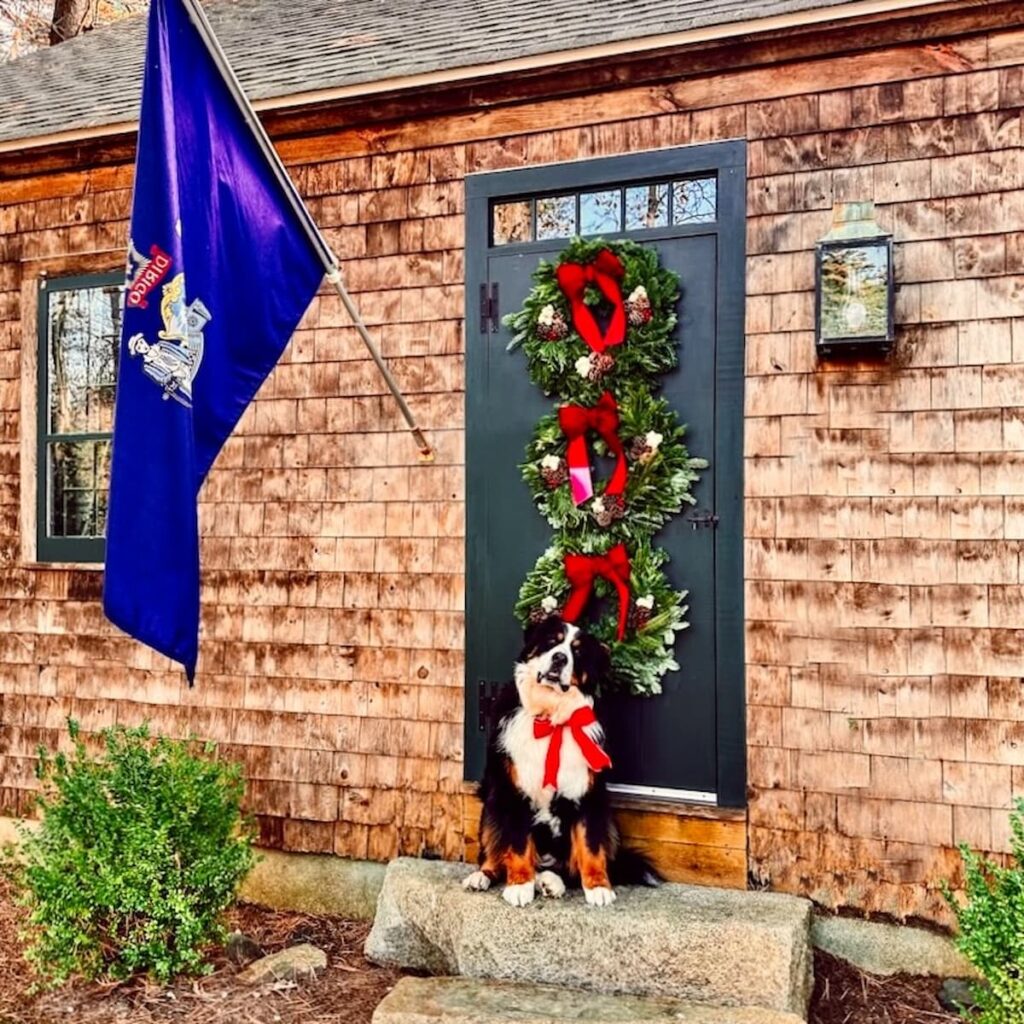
column 220, row 271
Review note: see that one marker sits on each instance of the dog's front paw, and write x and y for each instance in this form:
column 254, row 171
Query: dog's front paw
column 551, row 885
column 477, row 882
column 518, row 895
column 600, row 896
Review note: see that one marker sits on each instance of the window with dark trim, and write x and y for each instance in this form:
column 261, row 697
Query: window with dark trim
column 79, row 335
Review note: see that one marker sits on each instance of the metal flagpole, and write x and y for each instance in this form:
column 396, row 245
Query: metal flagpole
column 331, row 268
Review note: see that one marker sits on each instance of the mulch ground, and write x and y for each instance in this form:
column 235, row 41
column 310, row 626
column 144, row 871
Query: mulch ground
column 351, row 987
column 844, row 995
column 346, row 993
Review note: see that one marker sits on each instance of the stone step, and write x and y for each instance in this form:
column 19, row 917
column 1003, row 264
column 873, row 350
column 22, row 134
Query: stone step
column 699, row 945
column 475, row 1001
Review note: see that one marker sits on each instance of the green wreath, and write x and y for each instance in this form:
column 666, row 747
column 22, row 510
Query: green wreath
column 661, row 474
column 561, row 363
column 656, row 614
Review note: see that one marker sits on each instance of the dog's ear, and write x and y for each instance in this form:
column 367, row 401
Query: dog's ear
column 593, row 662
column 537, row 636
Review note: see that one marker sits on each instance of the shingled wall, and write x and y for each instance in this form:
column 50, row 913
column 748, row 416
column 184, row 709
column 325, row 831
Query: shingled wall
column 884, row 510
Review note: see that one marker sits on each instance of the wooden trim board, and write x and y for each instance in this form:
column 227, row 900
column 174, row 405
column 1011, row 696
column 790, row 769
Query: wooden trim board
column 686, row 845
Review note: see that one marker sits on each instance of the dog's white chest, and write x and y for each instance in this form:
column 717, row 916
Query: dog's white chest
column 529, row 754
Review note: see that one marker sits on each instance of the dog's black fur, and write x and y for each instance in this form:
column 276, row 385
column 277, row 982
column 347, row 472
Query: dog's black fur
column 509, row 827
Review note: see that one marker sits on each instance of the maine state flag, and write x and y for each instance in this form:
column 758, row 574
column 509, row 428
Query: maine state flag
column 221, row 269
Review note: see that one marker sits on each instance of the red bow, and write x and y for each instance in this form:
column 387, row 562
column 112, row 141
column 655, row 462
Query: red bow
column 603, row 418
column 595, row 756
column 581, row 570
column 605, row 271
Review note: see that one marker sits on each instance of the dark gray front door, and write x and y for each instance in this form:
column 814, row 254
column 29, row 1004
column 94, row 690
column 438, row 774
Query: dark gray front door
column 690, row 739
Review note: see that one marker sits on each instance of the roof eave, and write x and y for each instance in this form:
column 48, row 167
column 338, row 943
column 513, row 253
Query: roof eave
column 536, row 62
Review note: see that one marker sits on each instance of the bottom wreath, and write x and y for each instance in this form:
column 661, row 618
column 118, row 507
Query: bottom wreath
column 638, row 619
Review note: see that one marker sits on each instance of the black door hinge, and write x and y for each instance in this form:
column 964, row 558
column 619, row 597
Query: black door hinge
column 489, row 308
column 486, row 703
column 702, row 518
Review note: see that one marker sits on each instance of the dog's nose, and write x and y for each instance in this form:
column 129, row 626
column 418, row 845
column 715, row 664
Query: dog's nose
column 559, row 660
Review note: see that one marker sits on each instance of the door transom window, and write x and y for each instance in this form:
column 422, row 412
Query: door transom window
column 639, row 206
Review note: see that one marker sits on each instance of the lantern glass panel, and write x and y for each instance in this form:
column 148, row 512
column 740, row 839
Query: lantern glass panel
column 854, row 286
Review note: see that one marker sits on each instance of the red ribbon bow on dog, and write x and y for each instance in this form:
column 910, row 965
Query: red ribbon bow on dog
column 603, row 418
column 581, row 570
column 605, row 272
column 595, row 755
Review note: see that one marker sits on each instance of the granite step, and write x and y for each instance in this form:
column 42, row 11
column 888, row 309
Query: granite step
column 704, row 946
column 476, row 1001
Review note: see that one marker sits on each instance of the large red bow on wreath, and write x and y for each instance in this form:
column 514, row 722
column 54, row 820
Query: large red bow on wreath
column 605, row 272
column 581, row 571
column 603, row 418
column 595, row 755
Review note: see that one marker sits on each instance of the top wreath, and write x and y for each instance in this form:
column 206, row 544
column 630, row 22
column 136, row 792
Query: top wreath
column 599, row 318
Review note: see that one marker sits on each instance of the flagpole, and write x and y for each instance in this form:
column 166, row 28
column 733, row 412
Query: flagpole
column 331, row 268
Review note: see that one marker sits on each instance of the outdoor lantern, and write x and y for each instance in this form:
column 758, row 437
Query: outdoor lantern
column 853, row 282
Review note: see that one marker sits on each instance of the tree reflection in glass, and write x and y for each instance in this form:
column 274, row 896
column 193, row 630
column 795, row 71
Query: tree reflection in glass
column 82, row 345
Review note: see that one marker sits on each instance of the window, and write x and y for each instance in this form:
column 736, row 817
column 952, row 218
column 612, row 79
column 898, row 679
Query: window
column 79, row 336
column 638, row 206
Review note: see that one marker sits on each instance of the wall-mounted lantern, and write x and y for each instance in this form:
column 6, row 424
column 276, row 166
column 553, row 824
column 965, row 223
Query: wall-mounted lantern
column 853, row 281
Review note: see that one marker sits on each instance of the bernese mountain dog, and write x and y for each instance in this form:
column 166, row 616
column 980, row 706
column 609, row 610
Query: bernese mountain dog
column 547, row 817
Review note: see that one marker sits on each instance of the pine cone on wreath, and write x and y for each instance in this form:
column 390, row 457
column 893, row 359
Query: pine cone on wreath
column 643, row 449
column 638, row 448
column 553, row 471
column 601, row 364
column 608, row 508
column 638, row 307
column 640, row 611
column 547, row 608
column 616, row 505
column 551, row 325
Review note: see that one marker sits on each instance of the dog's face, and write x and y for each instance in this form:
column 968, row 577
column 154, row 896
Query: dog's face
column 558, row 669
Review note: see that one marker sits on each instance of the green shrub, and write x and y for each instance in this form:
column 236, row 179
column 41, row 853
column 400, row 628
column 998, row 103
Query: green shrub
column 139, row 852
column 992, row 929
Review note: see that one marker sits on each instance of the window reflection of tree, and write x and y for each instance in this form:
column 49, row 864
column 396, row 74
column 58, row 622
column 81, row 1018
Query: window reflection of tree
column 512, row 223
column 646, row 207
column 695, row 201
column 556, row 217
column 601, row 212
column 636, row 207
column 83, row 347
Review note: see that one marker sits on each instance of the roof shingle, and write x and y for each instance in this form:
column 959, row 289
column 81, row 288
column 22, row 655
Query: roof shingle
column 280, row 49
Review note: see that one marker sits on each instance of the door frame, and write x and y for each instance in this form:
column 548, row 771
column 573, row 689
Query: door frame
column 728, row 160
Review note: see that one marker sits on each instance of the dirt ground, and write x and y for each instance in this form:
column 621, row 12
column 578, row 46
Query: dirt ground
column 350, row 989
